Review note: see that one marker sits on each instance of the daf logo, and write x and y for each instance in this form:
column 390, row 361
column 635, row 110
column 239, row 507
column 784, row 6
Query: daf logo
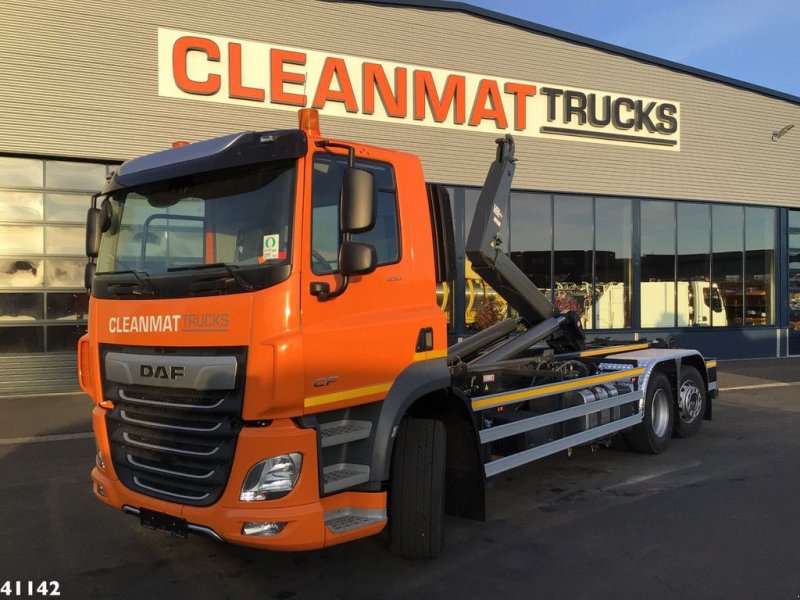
column 161, row 371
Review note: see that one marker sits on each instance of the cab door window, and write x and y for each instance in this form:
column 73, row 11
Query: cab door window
column 326, row 186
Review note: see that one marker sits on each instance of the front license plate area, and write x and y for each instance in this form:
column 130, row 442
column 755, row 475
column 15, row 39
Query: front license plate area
column 163, row 522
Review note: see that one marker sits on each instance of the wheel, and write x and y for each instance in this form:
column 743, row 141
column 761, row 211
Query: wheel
column 652, row 435
column 691, row 404
column 417, row 489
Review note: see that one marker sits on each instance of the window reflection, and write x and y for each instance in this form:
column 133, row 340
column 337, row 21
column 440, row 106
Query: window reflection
column 657, row 288
column 759, row 266
column 67, row 175
column 66, row 207
column 697, row 297
column 21, row 206
column 611, row 298
column 21, row 272
column 20, row 172
column 64, row 272
column 21, row 340
column 727, row 241
column 21, row 239
column 20, row 307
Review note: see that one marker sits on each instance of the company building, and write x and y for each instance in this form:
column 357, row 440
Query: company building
column 653, row 198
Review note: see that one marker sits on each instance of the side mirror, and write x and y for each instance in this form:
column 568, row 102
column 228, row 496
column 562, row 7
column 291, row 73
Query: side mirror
column 357, row 258
column 94, row 231
column 88, row 275
column 358, row 201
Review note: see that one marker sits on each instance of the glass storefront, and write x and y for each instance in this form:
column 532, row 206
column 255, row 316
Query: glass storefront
column 43, row 207
column 699, row 264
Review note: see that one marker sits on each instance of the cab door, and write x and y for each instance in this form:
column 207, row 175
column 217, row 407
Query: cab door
column 356, row 344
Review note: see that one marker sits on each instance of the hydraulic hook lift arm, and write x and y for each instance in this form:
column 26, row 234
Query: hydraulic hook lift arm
column 562, row 332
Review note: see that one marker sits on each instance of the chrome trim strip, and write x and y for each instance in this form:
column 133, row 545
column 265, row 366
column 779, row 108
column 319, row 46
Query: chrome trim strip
column 128, row 439
column 124, row 395
column 173, row 494
column 139, row 465
column 125, row 417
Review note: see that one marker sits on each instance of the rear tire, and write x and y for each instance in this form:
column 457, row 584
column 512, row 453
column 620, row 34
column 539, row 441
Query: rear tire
column 417, row 489
column 652, row 435
column 691, row 405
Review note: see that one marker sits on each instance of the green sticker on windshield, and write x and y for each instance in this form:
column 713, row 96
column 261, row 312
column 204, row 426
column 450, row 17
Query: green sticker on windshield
column 271, row 245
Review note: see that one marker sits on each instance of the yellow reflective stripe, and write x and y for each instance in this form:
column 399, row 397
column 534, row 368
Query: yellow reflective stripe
column 711, row 364
column 546, row 390
column 429, row 355
column 614, row 349
column 347, row 394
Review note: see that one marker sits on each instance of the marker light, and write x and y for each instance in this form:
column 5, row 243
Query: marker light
column 308, row 121
column 272, row 478
column 179, row 144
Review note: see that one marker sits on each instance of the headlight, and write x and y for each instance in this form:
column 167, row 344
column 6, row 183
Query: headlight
column 272, row 478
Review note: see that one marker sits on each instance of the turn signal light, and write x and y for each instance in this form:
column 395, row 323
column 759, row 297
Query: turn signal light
column 180, row 144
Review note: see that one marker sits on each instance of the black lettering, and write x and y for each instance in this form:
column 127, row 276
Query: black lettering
column 572, row 108
column 616, row 117
column 551, row 94
column 643, row 116
column 145, row 370
column 175, row 372
column 594, row 119
column 224, row 320
column 668, row 124
column 161, row 372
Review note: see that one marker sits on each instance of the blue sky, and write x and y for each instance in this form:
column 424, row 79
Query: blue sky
column 757, row 41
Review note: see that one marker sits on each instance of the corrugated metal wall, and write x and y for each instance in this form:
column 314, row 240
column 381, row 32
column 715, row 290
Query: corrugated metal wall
column 80, row 80
column 22, row 374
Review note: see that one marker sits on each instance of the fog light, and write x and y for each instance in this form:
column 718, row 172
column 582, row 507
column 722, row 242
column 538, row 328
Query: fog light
column 267, row 528
column 98, row 459
column 272, row 478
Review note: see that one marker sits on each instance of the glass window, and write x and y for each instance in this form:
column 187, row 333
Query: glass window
column 21, row 239
column 20, row 172
column 65, row 240
column 64, row 272
column 21, row 206
column 657, row 288
column 64, row 338
column 611, row 298
column 532, row 237
column 20, row 307
column 727, row 242
column 66, row 207
column 63, row 175
column 794, row 276
column 21, row 272
column 697, row 297
column 325, row 235
column 759, row 266
column 21, row 340
column 574, row 240
column 69, row 306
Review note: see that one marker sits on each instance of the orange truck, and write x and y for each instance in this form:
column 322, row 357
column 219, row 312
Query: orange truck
column 269, row 365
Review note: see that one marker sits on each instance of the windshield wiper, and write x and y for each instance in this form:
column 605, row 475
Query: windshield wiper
column 142, row 278
column 237, row 277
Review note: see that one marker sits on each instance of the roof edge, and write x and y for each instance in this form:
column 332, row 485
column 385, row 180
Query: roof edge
column 578, row 39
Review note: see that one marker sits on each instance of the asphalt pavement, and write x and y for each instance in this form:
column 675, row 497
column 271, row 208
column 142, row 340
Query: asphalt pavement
column 716, row 516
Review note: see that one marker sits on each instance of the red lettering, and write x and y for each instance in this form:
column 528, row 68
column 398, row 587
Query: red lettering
column 335, row 67
column 521, row 92
column 279, row 76
column 488, row 92
column 180, row 51
column 453, row 94
column 235, row 87
column 396, row 105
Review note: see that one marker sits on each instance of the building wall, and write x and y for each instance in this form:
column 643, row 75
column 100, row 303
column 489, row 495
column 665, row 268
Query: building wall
column 80, row 80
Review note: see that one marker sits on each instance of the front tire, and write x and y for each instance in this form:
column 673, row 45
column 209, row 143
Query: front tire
column 652, row 435
column 417, row 489
column 691, row 405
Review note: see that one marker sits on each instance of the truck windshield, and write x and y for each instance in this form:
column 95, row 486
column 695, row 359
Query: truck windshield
column 228, row 220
